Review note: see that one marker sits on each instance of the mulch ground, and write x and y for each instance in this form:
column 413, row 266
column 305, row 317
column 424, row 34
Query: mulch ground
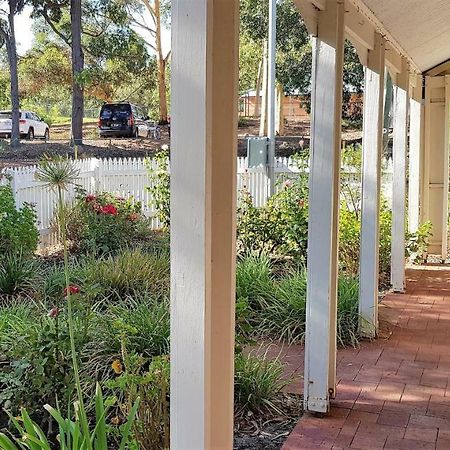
column 295, row 138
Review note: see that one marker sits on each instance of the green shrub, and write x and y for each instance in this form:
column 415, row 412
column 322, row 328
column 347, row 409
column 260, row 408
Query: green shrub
column 143, row 323
column 160, row 186
column 280, row 228
column 37, row 369
column 257, row 382
column 101, row 223
column 150, row 383
column 417, row 243
column 18, row 232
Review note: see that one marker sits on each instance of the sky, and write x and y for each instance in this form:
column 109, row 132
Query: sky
column 24, row 35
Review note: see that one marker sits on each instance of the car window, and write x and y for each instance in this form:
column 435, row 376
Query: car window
column 5, row 115
column 29, row 116
column 118, row 111
column 36, row 117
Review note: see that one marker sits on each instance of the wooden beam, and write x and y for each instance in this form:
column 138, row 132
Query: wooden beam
column 365, row 11
column 441, row 69
column 358, row 28
column 203, row 229
column 309, row 15
column 319, row 4
column 393, row 59
column 320, row 348
column 371, row 189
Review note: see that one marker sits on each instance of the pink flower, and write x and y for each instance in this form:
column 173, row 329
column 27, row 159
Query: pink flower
column 90, row 198
column 287, row 183
column 109, row 210
column 54, row 312
column 72, row 290
column 133, row 217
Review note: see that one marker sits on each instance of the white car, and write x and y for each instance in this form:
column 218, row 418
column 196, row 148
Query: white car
column 30, row 125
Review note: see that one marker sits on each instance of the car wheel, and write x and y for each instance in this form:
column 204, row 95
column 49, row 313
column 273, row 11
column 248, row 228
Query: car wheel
column 136, row 133
column 47, row 135
column 30, row 135
column 157, row 133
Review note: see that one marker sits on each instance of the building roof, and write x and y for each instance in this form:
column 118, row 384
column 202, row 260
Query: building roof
column 420, row 27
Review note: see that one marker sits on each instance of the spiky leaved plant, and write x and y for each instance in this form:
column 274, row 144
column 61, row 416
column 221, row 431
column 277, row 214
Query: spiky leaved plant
column 58, row 174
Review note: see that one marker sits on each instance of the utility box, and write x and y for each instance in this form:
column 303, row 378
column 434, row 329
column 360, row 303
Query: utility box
column 257, row 148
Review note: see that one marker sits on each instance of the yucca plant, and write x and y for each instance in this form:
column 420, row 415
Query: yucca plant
column 72, row 434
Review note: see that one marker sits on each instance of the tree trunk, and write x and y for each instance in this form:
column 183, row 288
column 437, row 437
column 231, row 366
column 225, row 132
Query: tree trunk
column 77, row 69
column 12, row 59
column 162, row 86
column 263, row 120
column 257, row 110
column 280, row 115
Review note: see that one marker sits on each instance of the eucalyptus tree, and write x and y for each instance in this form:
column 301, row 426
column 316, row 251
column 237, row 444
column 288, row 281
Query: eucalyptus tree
column 8, row 11
column 150, row 16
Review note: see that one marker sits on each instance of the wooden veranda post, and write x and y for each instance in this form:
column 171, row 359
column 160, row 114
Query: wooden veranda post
column 320, row 350
column 400, row 144
column 203, row 229
column 371, row 176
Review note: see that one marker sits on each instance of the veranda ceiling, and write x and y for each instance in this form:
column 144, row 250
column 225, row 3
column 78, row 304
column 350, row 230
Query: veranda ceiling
column 421, row 28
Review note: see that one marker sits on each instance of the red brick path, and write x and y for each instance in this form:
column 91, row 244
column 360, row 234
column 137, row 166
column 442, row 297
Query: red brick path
column 393, row 393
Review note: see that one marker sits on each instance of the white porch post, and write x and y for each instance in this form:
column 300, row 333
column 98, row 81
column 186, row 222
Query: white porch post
column 399, row 182
column 436, row 166
column 320, row 350
column 415, row 153
column 371, row 174
column 203, row 207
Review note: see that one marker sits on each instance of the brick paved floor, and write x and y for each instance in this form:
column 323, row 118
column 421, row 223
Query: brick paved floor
column 393, row 393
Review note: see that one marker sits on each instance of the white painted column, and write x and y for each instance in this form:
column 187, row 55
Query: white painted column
column 203, row 208
column 320, row 345
column 271, row 94
column 400, row 144
column 436, row 165
column 415, row 153
column 371, row 188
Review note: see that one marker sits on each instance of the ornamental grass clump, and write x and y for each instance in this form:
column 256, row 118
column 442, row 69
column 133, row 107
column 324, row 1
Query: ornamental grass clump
column 257, row 382
column 129, row 273
column 275, row 306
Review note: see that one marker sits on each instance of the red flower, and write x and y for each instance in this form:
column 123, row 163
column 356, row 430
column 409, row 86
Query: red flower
column 90, row 198
column 72, row 290
column 54, row 312
column 109, row 210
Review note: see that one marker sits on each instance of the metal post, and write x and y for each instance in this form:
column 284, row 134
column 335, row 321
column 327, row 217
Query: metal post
column 271, row 96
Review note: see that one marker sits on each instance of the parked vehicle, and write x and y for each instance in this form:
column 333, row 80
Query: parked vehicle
column 30, row 125
column 153, row 130
column 122, row 119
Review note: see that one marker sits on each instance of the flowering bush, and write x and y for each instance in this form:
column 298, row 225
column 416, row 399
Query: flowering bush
column 102, row 223
column 281, row 227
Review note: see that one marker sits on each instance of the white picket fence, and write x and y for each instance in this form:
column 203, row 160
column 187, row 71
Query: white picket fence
column 128, row 177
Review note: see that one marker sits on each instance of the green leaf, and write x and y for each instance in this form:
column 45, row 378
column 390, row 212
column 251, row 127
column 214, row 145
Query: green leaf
column 7, row 444
column 130, row 420
column 101, row 442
